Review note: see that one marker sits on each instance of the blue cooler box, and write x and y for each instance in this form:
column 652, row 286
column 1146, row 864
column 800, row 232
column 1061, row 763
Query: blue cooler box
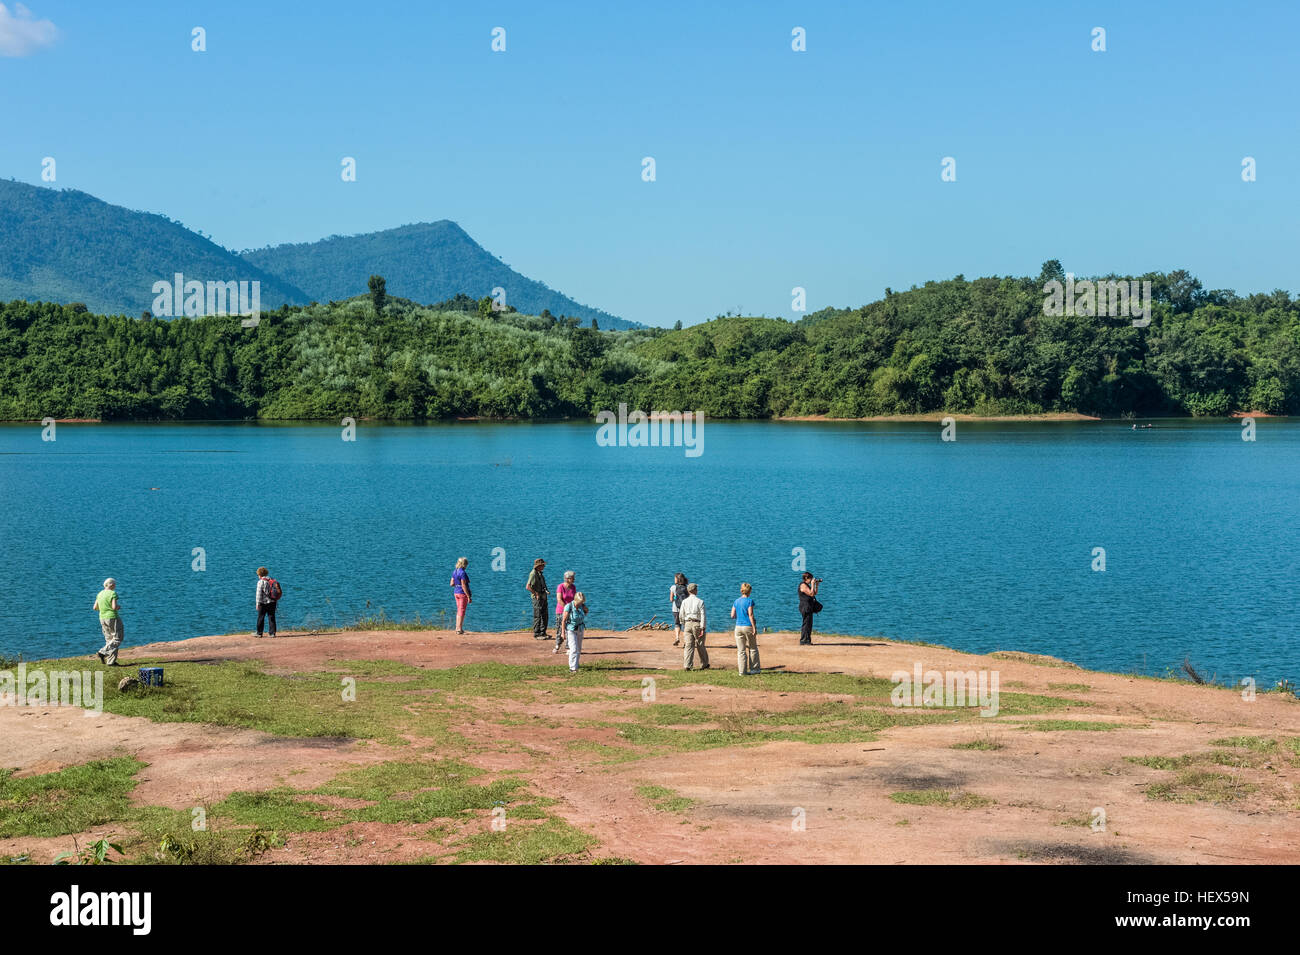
column 151, row 676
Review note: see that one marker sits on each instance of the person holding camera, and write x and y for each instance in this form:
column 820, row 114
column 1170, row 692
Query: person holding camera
column 808, row 605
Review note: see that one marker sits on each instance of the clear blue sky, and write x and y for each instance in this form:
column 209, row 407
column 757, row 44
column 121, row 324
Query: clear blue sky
column 775, row 169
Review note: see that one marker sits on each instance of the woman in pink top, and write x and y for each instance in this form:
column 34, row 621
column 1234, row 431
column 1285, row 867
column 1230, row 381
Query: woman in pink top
column 564, row 595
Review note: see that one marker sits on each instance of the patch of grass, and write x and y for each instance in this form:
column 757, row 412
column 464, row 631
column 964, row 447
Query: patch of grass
column 1249, row 759
column 381, row 621
column 1084, row 821
column 1069, row 687
column 941, row 797
column 440, row 803
column 1200, row 785
column 1260, row 744
column 551, row 841
column 670, row 714
column 1034, row 658
column 392, row 700
column 1160, row 762
column 984, row 743
column 278, row 809
column 614, row 860
column 384, row 780
column 68, row 801
column 664, row 799
column 1056, row 726
column 608, row 754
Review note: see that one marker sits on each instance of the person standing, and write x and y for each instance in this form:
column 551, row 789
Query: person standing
column 574, row 618
column 695, row 626
column 268, row 595
column 536, row 586
column 746, row 632
column 564, row 595
column 808, row 605
column 460, row 591
column 110, row 622
column 676, row 594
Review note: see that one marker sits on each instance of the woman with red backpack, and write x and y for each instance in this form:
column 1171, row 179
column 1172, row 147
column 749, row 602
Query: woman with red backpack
column 268, row 595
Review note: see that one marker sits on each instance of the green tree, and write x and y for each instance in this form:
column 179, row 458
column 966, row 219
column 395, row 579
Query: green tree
column 378, row 292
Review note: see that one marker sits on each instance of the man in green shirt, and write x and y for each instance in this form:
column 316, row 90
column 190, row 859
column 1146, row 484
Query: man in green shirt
column 110, row 622
column 537, row 587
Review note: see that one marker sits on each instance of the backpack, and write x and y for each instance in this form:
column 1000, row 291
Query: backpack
column 680, row 593
column 273, row 591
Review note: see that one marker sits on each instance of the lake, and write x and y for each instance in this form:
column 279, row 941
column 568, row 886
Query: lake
column 983, row 543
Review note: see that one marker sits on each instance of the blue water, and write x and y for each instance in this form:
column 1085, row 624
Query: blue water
column 985, row 543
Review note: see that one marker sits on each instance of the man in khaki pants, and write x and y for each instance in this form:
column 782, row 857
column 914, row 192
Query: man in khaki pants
column 694, row 626
column 110, row 622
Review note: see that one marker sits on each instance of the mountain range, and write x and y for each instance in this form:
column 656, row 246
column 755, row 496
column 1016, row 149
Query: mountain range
column 64, row 246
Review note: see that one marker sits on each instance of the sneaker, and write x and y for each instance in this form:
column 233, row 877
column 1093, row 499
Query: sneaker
column 556, row 650
column 100, row 654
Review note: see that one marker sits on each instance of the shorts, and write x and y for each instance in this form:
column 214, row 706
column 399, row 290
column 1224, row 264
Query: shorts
column 677, row 618
column 462, row 601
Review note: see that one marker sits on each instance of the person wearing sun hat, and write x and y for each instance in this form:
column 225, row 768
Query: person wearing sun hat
column 536, row 586
column 110, row 622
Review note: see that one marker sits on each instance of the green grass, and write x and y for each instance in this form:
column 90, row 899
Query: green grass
column 396, row 701
column 980, row 744
column 940, row 797
column 69, row 801
column 1260, row 744
column 550, row 841
column 246, row 824
column 384, row 780
column 280, row 810
column 1056, row 726
column 1200, row 785
column 1033, row 659
column 1069, row 687
column 381, row 621
column 1248, row 756
column 664, row 799
column 668, row 714
column 1082, row 821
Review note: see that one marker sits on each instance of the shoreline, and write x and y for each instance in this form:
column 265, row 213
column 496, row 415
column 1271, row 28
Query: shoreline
column 925, row 417
column 724, row 636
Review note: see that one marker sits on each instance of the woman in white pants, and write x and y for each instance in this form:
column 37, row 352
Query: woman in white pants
column 575, row 625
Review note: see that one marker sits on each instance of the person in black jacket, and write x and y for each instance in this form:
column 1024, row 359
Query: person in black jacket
column 808, row 605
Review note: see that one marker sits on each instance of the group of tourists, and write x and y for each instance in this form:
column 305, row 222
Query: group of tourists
column 570, row 611
column 690, row 618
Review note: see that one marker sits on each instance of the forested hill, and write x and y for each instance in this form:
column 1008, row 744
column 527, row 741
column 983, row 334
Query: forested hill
column 982, row 346
column 62, row 245
column 426, row 262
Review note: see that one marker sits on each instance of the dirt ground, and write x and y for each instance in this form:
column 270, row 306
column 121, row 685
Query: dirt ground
column 1040, row 790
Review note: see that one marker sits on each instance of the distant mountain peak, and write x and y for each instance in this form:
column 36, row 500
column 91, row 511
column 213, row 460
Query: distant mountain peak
column 65, row 245
column 423, row 261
